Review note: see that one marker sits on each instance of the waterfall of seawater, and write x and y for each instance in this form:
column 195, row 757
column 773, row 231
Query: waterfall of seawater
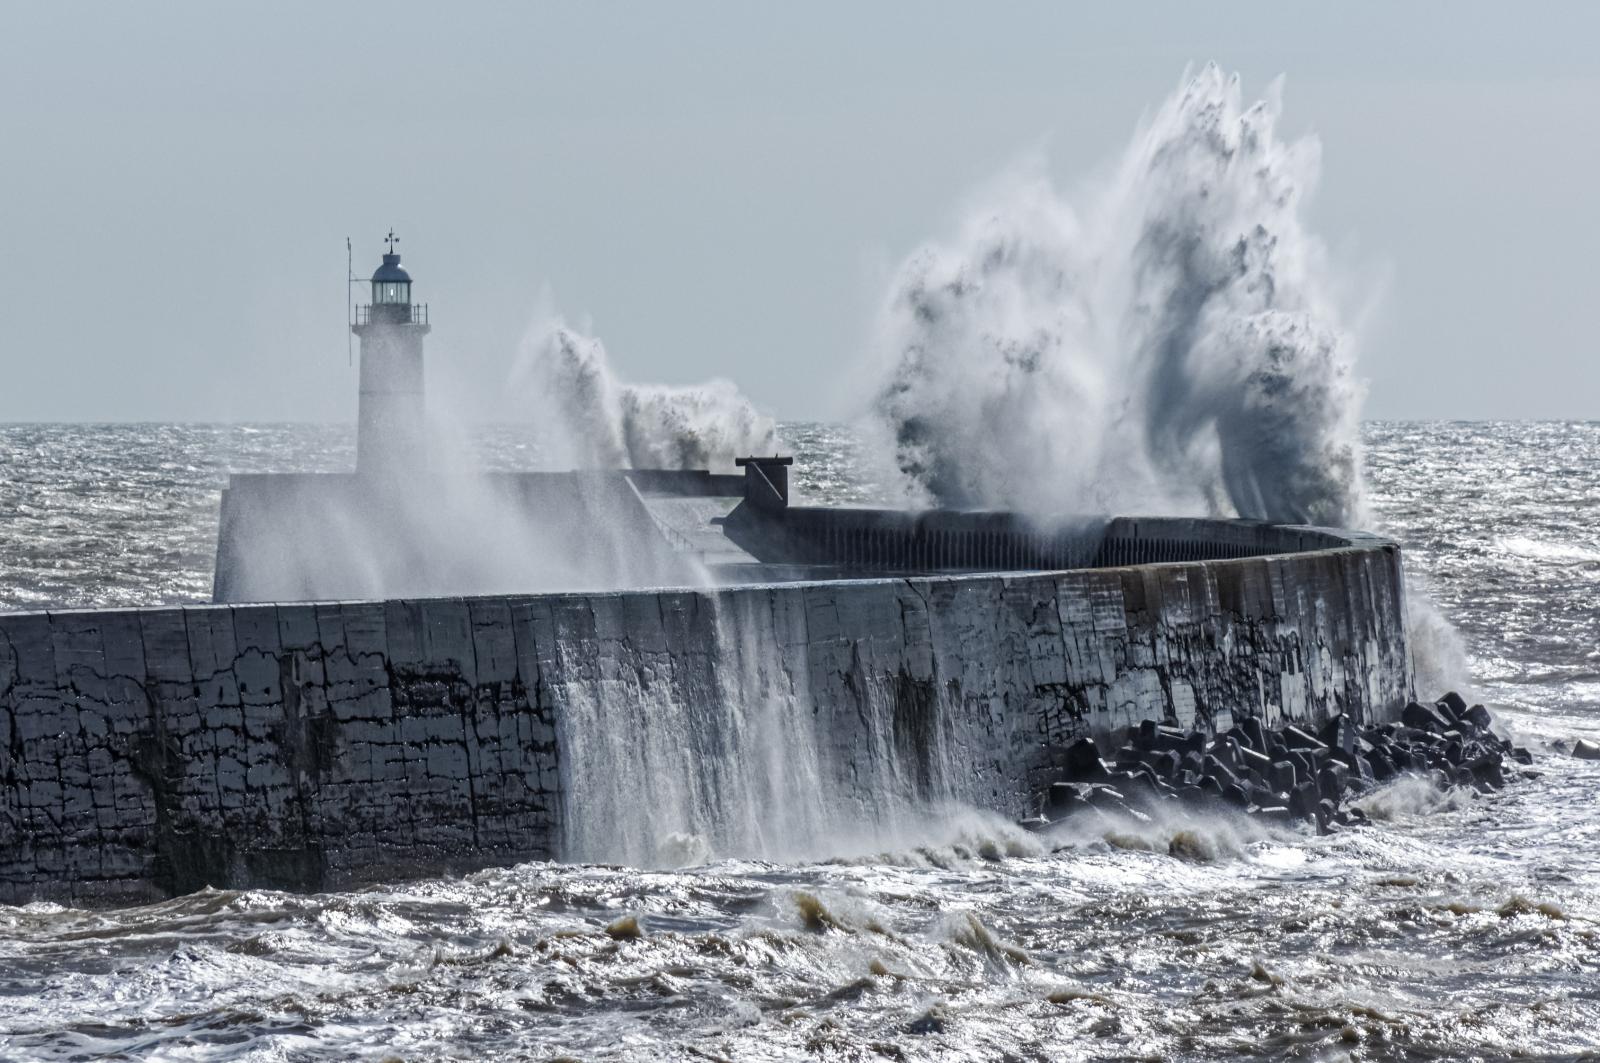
column 726, row 752
column 1174, row 341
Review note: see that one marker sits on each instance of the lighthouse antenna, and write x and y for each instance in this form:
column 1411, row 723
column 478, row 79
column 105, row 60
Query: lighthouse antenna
column 349, row 303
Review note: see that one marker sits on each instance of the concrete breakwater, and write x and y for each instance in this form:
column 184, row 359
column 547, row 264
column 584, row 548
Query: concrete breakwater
column 318, row 745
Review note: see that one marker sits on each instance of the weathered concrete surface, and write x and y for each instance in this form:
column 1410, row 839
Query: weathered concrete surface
column 319, row 745
column 158, row 751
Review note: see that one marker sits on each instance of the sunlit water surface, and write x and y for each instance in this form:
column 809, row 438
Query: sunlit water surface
column 1455, row 927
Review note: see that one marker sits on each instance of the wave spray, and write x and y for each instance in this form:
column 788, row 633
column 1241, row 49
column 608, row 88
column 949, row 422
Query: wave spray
column 1173, row 346
column 588, row 418
column 1170, row 344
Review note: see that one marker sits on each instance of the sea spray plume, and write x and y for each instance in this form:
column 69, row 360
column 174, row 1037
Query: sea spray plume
column 1172, row 346
column 1235, row 337
column 587, row 418
column 995, row 383
column 577, row 405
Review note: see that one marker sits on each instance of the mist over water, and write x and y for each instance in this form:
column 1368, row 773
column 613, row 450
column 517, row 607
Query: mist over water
column 1166, row 340
column 444, row 527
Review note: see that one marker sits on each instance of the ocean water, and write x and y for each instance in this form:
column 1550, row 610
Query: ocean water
column 1456, row 927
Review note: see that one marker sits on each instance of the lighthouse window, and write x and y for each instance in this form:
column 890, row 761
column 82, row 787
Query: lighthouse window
column 392, row 293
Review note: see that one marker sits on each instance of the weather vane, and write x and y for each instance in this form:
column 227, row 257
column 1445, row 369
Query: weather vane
column 391, row 240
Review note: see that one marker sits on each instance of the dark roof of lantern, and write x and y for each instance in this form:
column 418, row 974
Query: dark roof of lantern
column 391, row 271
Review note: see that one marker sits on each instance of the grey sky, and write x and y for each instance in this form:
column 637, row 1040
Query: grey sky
column 718, row 188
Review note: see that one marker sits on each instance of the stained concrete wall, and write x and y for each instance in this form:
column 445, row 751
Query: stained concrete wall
column 320, row 745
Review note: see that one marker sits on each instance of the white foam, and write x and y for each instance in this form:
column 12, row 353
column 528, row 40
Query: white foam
column 1410, row 796
column 1542, row 550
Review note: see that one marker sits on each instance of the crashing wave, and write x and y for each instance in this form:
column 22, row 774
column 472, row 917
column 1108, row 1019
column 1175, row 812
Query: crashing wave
column 1171, row 344
column 589, row 419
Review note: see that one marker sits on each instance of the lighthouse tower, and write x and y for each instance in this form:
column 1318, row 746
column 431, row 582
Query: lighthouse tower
column 390, row 435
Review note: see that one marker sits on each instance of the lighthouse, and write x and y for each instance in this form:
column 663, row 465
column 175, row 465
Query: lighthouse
column 390, row 434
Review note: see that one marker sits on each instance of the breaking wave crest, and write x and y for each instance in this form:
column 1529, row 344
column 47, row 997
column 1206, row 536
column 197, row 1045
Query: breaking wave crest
column 1410, row 796
column 589, row 418
column 1171, row 342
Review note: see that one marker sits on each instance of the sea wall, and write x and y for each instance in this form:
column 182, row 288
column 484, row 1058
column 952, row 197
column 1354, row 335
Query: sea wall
column 320, row 745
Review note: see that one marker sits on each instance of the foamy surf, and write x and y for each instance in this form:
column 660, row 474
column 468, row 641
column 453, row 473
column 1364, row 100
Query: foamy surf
column 1549, row 552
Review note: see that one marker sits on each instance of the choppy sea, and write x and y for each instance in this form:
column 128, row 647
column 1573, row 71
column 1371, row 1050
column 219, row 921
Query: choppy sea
column 1456, row 927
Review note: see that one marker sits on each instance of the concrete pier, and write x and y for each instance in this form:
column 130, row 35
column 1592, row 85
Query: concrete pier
column 321, row 745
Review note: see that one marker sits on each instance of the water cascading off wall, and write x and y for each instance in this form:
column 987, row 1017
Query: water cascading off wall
column 1174, row 342
column 720, row 747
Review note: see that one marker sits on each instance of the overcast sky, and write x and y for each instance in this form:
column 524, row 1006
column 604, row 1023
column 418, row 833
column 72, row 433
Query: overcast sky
column 718, row 188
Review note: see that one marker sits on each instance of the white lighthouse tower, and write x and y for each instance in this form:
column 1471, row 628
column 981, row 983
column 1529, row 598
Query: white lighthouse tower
column 390, row 434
